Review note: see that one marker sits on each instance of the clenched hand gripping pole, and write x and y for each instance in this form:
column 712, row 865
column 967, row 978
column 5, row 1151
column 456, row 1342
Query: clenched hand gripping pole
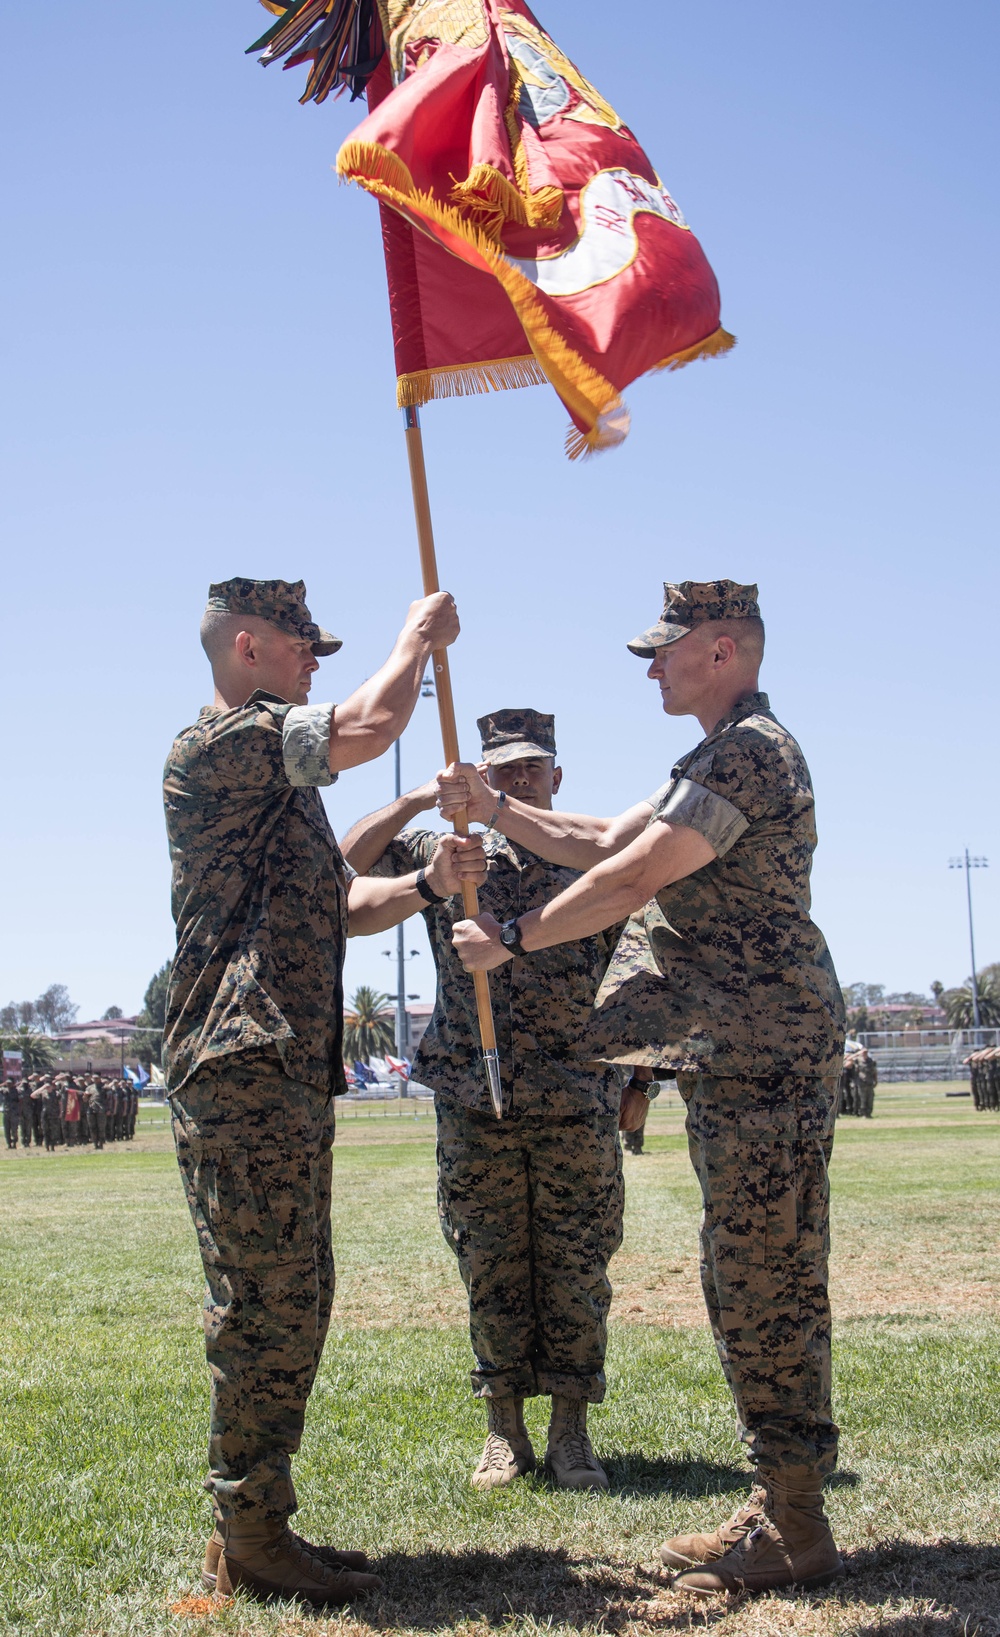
column 449, row 732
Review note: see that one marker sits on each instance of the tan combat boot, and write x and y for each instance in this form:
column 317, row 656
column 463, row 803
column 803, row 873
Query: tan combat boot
column 332, row 1555
column 569, row 1456
column 268, row 1560
column 684, row 1551
column 792, row 1547
column 507, row 1453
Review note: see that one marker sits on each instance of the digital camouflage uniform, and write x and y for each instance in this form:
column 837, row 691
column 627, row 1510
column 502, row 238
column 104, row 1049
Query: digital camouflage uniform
column 724, row 979
column 531, row 1204
column 984, row 1074
column 36, row 1116
column 867, row 1080
column 24, row 1113
column 97, row 1113
column 253, row 1059
column 11, row 1112
column 51, row 1123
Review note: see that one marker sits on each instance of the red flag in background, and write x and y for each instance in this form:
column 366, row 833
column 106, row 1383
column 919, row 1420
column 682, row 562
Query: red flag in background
column 527, row 235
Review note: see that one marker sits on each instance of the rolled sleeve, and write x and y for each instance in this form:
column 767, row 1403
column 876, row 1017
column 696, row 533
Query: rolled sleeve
column 703, row 810
column 305, row 744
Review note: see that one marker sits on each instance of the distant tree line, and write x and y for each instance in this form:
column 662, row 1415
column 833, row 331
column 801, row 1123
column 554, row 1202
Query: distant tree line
column 867, row 1003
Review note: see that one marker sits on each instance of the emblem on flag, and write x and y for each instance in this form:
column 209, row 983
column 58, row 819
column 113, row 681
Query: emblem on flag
column 527, row 235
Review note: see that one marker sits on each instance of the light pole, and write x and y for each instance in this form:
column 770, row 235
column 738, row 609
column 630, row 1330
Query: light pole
column 969, row 864
column 426, row 692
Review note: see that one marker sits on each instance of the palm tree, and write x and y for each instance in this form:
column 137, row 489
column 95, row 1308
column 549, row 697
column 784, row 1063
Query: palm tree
column 37, row 1051
column 369, row 1029
column 958, row 1002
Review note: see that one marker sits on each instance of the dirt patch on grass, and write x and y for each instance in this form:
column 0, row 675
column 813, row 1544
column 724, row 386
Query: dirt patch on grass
column 913, row 1278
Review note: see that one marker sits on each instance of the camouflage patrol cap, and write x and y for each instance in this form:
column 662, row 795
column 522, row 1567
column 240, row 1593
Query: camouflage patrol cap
column 513, row 736
column 692, row 603
column 281, row 602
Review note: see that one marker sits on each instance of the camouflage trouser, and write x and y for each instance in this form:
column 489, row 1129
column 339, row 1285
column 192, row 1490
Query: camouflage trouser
column 51, row 1130
column 254, row 1152
column 96, row 1122
column 532, row 1208
column 25, row 1119
column 10, row 1125
column 761, row 1148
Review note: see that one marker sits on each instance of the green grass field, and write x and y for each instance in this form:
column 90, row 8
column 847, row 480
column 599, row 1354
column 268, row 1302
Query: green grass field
column 104, row 1395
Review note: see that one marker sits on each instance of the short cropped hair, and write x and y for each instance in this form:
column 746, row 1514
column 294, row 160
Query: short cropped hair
column 748, row 635
column 219, row 628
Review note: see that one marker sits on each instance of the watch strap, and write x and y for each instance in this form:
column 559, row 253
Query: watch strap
column 427, row 892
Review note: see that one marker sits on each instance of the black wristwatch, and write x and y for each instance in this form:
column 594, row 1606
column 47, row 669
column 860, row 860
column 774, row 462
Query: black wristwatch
column 511, row 938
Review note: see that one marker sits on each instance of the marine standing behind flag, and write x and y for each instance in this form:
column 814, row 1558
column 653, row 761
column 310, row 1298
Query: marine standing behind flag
column 527, row 235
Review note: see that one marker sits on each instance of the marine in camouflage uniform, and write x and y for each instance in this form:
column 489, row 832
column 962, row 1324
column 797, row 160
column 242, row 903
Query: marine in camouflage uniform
column 848, row 1093
column 722, row 978
column 36, row 1110
column 253, row 1041
column 131, row 1110
column 11, row 1112
column 866, row 1070
column 24, row 1112
column 96, row 1103
column 532, row 1204
column 51, row 1123
column 984, row 1073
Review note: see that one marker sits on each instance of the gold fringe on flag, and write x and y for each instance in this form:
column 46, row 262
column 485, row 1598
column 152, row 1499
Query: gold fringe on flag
column 465, row 380
column 492, row 201
column 583, row 389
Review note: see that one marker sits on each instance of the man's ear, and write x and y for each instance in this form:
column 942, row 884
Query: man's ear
column 725, row 651
column 556, row 780
column 244, row 646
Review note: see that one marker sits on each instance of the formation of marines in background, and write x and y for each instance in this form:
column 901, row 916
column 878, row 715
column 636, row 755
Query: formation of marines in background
column 67, row 1110
column 984, row 1070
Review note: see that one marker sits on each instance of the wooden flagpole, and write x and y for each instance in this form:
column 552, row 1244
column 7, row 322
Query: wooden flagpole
column 449, row 731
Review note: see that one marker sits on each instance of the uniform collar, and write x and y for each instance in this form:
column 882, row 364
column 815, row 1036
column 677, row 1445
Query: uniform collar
column 751, row 705
column 256, row 697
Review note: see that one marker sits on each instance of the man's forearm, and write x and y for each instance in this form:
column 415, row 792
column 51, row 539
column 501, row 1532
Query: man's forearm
column 369, row 837
column 604, row 895
column 374, row 904
column 573, row 839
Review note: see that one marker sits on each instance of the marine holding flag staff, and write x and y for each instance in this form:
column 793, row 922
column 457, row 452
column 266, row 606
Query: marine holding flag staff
column 722, row 978
column 253, row 1039
column 531, row 1204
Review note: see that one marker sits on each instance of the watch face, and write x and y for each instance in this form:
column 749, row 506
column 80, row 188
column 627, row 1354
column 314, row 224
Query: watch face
column 508, row 933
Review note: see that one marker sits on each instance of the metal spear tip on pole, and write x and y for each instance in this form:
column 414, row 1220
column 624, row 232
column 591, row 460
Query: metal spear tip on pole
column 492, row 1061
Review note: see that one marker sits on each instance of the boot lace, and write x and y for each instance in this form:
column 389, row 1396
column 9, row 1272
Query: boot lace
column 747, row 1517
column 497, row 1454
column 575, row 1443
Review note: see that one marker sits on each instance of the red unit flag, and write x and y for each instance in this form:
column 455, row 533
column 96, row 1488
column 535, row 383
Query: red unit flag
column 527, row 235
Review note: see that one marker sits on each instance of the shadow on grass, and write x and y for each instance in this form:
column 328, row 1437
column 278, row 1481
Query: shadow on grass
column 433, row 1591
column 896, row 1589
column 631, row 1473
column 958, row 1584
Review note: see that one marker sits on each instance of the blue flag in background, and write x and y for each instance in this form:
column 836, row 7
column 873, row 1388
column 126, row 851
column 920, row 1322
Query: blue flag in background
column 364, row 1075
column 142, row 1078
column 130, row 1074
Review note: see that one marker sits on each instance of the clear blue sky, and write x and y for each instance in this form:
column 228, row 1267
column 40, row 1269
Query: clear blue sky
column 199, row 383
